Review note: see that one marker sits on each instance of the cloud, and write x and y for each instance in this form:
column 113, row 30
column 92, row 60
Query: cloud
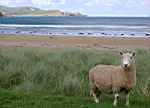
column 48, row 2
column 41, row 2
column 13, row 3
column 7, row 2
column 90, row 3
column 102, row 2
column 58, row 2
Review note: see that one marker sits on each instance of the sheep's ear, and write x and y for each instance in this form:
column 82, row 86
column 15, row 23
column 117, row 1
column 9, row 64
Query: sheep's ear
column 121, row 53
column 133, row 54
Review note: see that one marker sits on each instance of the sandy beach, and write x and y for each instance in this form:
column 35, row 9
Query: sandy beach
column 107, row 43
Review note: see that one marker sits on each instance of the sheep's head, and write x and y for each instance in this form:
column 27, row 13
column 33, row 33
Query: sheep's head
column 127, row 59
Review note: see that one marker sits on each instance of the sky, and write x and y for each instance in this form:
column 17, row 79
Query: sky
column 89, row 7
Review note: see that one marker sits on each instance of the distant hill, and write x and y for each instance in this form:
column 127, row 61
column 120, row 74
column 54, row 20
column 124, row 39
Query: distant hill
column 31, row 11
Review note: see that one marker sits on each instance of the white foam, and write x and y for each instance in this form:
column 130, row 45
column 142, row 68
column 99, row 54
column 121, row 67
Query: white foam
column 76, row 26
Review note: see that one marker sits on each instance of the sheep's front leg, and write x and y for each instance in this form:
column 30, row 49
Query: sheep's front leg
column 116, row 99
column 127, row 99
column 94, row 93
column 95, row 98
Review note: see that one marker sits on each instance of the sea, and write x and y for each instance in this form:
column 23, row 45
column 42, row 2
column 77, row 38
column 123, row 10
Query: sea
column 76, row 26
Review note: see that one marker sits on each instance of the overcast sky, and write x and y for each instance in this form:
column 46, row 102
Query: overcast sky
column 89, row 7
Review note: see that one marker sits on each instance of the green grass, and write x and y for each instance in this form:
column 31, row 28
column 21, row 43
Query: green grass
column 41, row 78
column 32, row 100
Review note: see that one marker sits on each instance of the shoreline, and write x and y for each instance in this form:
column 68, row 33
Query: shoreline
column 75, row 30
column 99, row 43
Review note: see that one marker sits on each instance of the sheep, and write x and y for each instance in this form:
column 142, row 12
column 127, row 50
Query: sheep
column 114, row 79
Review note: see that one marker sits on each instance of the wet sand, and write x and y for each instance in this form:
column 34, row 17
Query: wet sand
column 108, row 43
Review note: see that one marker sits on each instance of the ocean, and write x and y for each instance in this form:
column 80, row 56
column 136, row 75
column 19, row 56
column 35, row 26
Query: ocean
column 76, row 26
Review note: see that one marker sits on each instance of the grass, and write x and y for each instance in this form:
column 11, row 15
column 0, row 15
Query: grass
column 23, row 100
column 41, row 78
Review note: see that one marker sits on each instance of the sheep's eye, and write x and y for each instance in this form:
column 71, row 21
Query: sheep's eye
column 131, row 57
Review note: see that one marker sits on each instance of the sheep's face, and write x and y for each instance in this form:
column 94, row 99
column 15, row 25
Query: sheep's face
column 127, row 59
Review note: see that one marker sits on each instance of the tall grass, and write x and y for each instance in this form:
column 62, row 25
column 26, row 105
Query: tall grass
column 62, row 72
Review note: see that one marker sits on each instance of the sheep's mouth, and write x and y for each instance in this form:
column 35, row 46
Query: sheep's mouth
column 125, row 67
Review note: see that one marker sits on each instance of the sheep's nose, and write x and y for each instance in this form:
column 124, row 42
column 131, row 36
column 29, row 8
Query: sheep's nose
column 125, row 65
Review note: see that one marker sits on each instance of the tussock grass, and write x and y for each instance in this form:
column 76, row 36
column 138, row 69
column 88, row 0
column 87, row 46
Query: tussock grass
column 60, row 72
column 65, row 73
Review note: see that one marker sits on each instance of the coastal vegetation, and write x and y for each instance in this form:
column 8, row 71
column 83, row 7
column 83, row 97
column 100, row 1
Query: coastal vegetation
column 40, row 77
